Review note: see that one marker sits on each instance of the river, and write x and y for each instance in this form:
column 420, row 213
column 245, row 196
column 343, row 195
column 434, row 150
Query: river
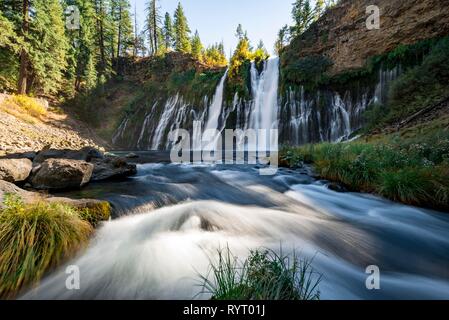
column 170, row 220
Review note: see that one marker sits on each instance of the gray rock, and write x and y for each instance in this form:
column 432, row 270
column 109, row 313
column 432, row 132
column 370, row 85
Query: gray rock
column 15, row 170
column 86, row 154
column 10, row 188
column 112, row 168
column 57, row 174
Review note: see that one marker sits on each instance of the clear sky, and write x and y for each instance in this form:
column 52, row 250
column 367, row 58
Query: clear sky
column 217, row 20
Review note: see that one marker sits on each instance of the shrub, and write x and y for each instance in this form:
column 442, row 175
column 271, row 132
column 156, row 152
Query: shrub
column 35, row 238
column 23, row 107
column 265, row 275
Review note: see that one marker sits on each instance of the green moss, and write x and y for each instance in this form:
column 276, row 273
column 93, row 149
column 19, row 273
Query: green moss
column 95, row 212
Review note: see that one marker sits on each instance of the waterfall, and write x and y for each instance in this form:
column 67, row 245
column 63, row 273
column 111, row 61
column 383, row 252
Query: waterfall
column 169, row 110
column 330, row 115
column 265, row 95
column 214, row 112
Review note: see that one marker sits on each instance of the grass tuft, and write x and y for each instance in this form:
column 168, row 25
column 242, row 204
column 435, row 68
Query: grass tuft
column 35, row 238
column 265, row 275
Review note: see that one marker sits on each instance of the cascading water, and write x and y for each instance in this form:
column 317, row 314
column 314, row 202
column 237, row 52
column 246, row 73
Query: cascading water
column 264, row 107
column 326, row 115
column 166, row 117
column 158, row 253
column 211, row 128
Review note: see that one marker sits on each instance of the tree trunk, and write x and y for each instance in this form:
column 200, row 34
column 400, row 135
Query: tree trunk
column 119, row 43
column 23, row 73
column 100, row 17
column 155, row 26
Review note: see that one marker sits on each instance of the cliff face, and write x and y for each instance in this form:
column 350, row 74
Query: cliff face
column 341, row 34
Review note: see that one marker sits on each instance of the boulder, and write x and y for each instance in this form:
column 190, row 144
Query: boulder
column 15, row 170
column 86, row 154
column 57, row 174
column 112, row 168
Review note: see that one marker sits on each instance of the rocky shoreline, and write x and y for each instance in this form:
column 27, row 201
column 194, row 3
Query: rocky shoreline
column 32, row 176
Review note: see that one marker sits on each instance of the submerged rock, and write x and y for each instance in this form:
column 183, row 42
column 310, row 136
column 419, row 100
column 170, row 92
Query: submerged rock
column 336, row 187
column 132, row 156
column 56, row 174
column 15, row 170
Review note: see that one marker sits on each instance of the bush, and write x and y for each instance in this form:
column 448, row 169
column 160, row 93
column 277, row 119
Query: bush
column 23, row 107
column 265, row 275
column 35, row 238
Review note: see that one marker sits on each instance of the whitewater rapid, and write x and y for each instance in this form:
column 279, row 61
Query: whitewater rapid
column 178, row 216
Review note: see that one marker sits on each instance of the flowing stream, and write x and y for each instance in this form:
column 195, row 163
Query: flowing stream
column 171, row 219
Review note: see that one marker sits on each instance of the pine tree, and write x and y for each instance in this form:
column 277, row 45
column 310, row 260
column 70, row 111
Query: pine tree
column 303, row 15
column 182, row 31
column 10, row 44
column 153, row 26
column 282, row 39
column 81, row 73
column 197, row 46
column 168, row 32
column 123, row 33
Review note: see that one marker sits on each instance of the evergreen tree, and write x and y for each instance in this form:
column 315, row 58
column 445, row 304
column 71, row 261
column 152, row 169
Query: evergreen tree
column 168, row 32
column 303, row 15
column 10, row 44
column 81, row 73
column 182, row 31
column 153, row 26
column 197, row 46
column 282, row 39
column 123, row 23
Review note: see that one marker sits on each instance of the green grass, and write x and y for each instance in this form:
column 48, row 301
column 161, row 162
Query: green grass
column 413, row 171
column 34, row 238
column 265, row 275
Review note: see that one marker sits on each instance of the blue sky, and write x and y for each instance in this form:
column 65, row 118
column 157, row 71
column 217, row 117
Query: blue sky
column 217, row 20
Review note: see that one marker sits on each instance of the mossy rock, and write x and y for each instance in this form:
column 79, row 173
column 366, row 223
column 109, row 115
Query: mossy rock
column 92, row 211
